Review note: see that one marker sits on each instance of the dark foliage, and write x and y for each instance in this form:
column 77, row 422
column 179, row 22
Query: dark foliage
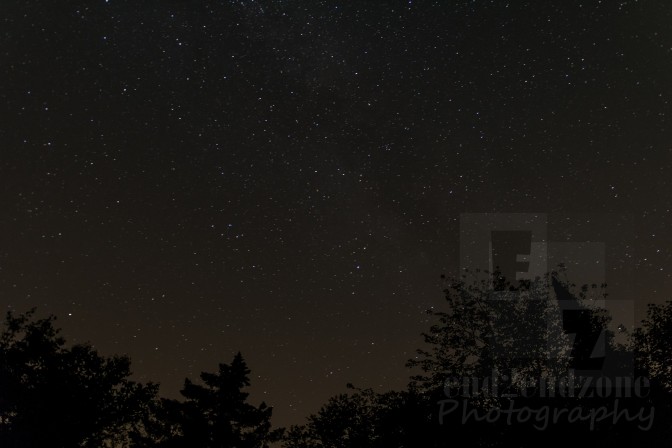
column 53, row 396
column 532, row 330
column 59, row 397
column 216, row 414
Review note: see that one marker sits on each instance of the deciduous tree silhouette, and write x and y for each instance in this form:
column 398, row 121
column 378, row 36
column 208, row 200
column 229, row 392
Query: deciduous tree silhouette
column 652, row 344
column 54, row 396
column 490, row 325
column 537, row 329
column 364, row 418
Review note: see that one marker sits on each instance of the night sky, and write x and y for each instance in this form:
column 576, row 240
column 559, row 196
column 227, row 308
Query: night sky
column 182, row 180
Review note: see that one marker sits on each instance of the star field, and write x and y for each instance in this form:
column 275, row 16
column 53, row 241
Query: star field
column 185, row 179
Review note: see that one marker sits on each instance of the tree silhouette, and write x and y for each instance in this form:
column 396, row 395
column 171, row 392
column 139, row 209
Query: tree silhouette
column 344, row 421
column 55, row 396
column 543, row 328
column 652, row 344
column 490, row 325
column 216, row 414
column 364, row 418
column 60, row 397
